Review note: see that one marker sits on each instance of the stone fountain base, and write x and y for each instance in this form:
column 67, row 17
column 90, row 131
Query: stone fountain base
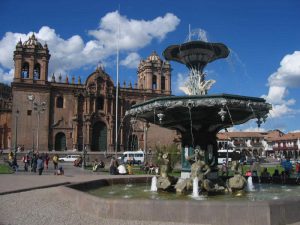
column 202, row 212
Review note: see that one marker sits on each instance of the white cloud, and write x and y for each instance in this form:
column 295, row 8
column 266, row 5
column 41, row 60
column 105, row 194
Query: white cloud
column 181, row 79
column 133, row 34
column 287, row 76
column 6, row 77
column 254, row 129
column 281, row 110
column 73, row 53
column 7, row 47
column 132, row 60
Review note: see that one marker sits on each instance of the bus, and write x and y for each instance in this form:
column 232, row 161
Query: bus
column 136, row 157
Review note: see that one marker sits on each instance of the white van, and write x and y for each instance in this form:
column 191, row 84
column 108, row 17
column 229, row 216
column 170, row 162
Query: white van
column 223, row 154
column 136, row 157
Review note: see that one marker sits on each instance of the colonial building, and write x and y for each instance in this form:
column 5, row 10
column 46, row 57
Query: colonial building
column 249, row 143
column 287, row 145
column 5, row 116
column 59, row 114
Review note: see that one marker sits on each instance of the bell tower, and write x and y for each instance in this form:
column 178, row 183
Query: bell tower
column 154, row 75
column 31, row 61
column 31, row 95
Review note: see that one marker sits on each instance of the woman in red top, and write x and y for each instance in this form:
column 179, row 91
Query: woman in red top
column 298, row 170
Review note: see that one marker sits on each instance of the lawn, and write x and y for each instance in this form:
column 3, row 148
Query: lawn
column 5, row 169
column 176, row 173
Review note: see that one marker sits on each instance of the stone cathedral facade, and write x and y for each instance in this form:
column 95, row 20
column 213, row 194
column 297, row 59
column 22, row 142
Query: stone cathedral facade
column 62, row 114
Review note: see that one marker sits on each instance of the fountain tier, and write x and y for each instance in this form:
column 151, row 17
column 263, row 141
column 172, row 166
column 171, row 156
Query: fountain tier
column 208, row 113
column 196, row 54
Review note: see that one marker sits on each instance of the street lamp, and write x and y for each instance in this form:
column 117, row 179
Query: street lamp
column 39, row 107
column 16, row 133
column 146, row 126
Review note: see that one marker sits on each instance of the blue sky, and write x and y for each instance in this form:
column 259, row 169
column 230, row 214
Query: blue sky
column 263, row 36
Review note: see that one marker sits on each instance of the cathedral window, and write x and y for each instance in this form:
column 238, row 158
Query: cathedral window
column 100, row 103
column 25, row 70
column 59, row 102
column 154, row 82
column 37, row 72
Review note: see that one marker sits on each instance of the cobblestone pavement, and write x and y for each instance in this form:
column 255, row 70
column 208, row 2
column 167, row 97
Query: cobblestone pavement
column 28, row 199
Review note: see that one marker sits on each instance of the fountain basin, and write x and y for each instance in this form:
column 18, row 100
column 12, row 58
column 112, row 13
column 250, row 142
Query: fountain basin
column 281, row 211
column 196, row 53
column 204, row 111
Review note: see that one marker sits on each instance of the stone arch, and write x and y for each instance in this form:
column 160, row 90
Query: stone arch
column 37, row 71
column 25, row 70
column 59, row 102
column 99, row 137
column 60, row 141
column 100, row 103
column 163, row 83
column 154, row 82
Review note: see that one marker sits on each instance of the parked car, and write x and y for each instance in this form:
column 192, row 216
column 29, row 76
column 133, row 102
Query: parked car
column 69, row 158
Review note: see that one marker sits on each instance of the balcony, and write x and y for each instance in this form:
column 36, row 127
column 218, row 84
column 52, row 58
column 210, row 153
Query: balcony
column 284, row 148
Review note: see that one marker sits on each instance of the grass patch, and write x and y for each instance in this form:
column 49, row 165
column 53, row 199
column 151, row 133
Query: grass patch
column 5, row 169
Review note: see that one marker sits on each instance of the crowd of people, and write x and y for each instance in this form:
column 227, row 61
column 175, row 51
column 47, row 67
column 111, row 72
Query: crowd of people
column 35, row 162
column 116, row 168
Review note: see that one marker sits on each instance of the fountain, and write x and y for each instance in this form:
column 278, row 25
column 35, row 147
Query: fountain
column 198, row 117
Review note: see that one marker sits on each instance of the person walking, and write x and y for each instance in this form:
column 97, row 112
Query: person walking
column 55, row 161
column 25, row 160
column 34, row 162
column 40, row 165
column 47, row 158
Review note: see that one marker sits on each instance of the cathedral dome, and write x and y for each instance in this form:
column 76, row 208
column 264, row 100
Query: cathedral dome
column 32, row 42
column 153, row 57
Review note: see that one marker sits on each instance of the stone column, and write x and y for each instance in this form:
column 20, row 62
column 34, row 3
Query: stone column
column 18, row 66
column 75, row 135
column 105, row 106
column 88, row 130
column 31, row 67
column 43, row 71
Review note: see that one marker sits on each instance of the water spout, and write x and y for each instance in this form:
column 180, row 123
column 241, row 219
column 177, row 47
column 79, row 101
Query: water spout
column 195, row 188
column 154, row 184
column 250, row 185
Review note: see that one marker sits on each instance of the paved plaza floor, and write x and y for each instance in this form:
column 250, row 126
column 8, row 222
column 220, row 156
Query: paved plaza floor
column 29, row 199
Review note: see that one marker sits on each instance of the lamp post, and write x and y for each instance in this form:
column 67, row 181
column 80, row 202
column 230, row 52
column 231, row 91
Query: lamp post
column 146, row 126
column 16, row 133
column 39, row 107
column 83, row 145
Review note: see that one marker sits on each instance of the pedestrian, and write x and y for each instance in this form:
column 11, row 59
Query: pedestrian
column 55, row 161
column 25, row 160
column 34, row 162
column 298, row 170
column 47, row 158
column 40, row 165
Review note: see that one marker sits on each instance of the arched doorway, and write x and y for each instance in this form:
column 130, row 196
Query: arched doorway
column 60, row 142
column 99, row 137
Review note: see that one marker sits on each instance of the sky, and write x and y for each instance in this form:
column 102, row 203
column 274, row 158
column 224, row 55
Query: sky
column 263, row 38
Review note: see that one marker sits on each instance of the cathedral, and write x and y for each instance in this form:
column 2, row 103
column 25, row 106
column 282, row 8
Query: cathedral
column 50, row 113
